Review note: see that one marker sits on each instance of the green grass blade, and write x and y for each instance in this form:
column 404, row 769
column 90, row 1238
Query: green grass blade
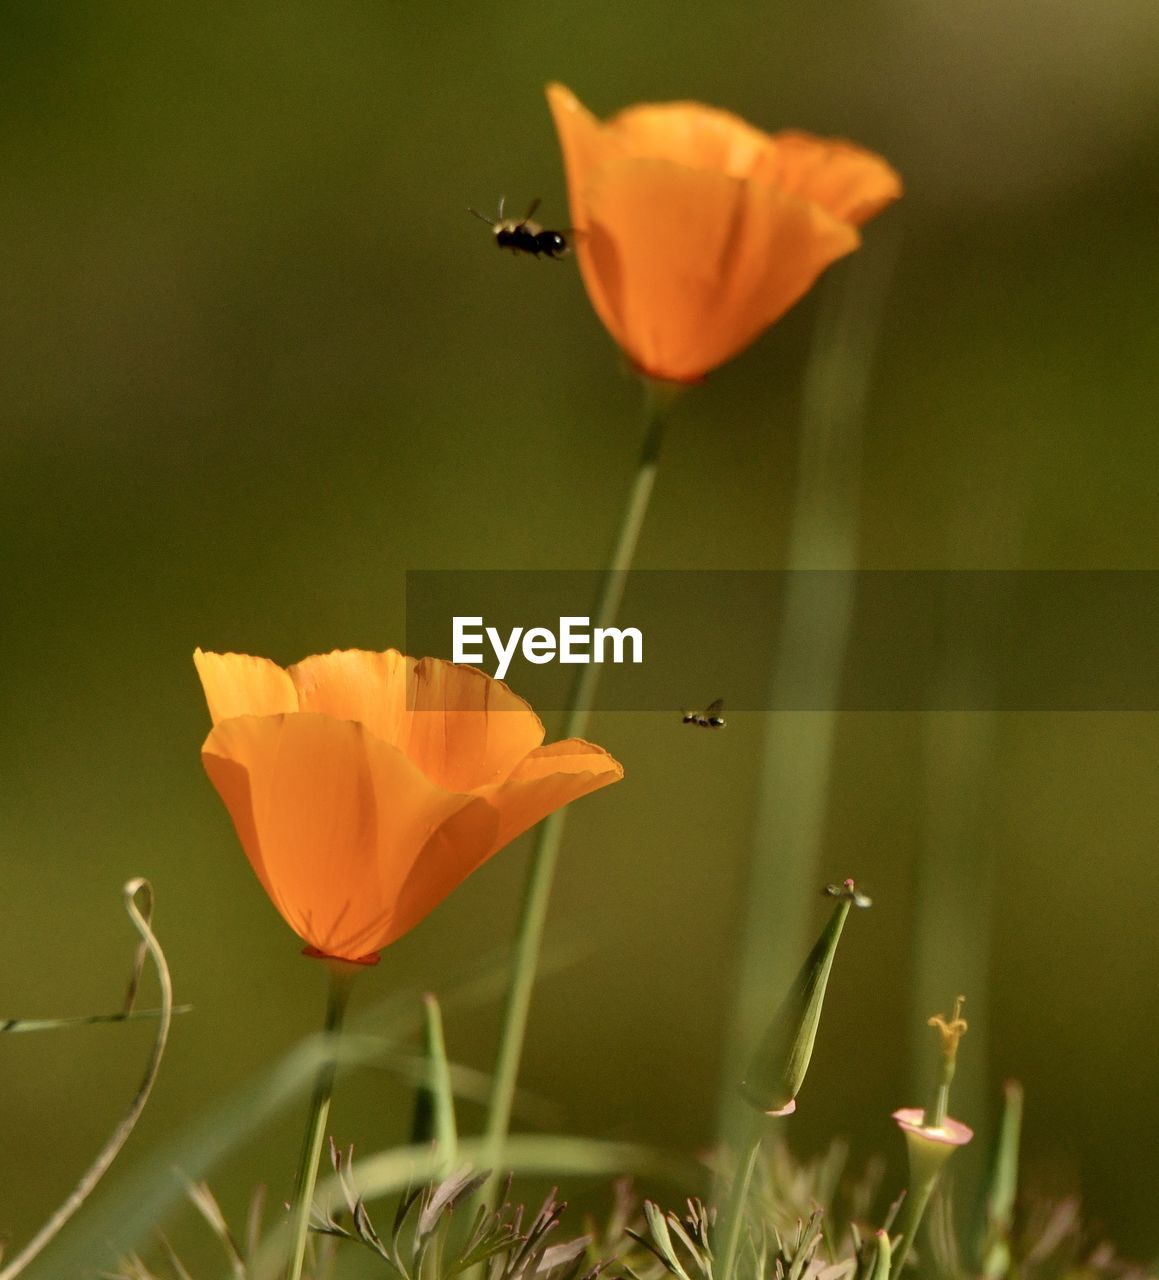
column 439, row 1083
column 796, row 757
column 15, row 1026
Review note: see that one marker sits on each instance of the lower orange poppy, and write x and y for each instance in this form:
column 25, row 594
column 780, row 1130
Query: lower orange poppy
column 364, row 787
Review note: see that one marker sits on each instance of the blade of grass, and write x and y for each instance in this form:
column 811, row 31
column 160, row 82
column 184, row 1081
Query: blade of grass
column 797, row 751
column 15, row 1026
column 994, row 1246
column 125, row 1215
column 954, row 876
column 953, row 914
column 439, row 1083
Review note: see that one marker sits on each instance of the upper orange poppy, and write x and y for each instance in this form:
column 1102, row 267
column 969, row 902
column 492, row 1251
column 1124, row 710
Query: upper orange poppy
column 365, row 786
column 697, row 231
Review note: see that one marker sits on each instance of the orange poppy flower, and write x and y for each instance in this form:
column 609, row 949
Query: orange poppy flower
column 697, row 231
column 365, row 786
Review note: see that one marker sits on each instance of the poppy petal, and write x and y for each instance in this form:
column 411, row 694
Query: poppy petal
column 851, row 183
column 331, row 819
column 459, row 726
column 547, row 780
column 355, row 684
column 585, row 144
column 951, row 1133
column 459, row 846
column 467, row 730
column 236, row 684
column 694, row 135
column 683, row 295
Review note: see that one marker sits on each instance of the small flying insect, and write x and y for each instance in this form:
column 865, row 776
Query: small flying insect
column 849, row 890
column 525, row 236
column 709, row 718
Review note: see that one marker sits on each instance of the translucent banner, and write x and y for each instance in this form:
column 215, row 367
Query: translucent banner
column 759, row 641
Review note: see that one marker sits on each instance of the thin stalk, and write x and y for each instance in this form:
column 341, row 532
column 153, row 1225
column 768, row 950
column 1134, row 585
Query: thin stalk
column 915, row 1208
column 15, row 1026
column 735, row 1215
column 338, row 993
column 549, row 835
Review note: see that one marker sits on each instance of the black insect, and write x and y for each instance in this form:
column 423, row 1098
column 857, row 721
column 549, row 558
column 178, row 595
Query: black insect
column 847, row 889
column 709, row 718
column 525, row 236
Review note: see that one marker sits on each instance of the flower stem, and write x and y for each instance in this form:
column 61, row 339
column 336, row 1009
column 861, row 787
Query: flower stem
column 341, row 977
column 659, row 398
column 915, row 1208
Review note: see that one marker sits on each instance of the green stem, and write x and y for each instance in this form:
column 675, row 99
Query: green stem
column 341, row 976
column 550, row 832
column 915, row 1208
column 734, row 1221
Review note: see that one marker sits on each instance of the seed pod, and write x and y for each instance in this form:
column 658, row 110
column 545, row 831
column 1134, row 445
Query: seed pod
column 779, row 1065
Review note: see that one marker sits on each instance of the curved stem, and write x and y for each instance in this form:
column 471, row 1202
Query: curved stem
column 549, row 835
column 141, row 916
column 341, row 976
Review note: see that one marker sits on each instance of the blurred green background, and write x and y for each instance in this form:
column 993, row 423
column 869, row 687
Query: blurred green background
column 256, row 361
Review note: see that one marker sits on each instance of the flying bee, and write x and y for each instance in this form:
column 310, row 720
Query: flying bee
column 525, row 236
column 709, row 718
column 847, row 889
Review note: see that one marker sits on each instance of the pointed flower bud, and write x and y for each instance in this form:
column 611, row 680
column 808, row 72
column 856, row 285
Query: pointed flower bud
column 779, row 1065
column 876, row 1259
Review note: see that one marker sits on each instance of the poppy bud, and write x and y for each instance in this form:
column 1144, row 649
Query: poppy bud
column 779, row 1064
